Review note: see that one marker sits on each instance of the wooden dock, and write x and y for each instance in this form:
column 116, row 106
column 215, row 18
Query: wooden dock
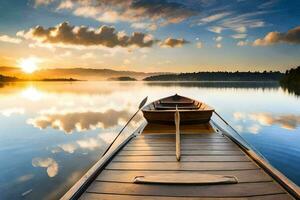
column 203, row 151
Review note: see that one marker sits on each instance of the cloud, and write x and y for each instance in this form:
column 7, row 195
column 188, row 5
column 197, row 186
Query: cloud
column 49, row 163
column 79, row 121
column 213, row 18
column 239, row 36
column 66, row 34
column 290, row 37
column 242, row 43
column 242, row 22
column 88, row 56
column 68, row 4
column 172, row 42
column 215, row 29
column 113, row 11
column 241, row 29
column 42, row 2
column 8, row 39
column 218, row 39
column 144, row 26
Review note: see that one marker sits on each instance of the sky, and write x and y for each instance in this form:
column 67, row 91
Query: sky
column 151, row 35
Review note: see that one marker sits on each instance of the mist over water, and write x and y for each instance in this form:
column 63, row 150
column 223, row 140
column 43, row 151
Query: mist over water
column 52, row 133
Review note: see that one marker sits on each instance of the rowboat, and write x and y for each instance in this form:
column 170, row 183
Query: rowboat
column 191, row 111
column 176, row 161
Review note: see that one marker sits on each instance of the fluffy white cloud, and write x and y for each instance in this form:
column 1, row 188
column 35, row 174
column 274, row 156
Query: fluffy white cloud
column 9, row 39
column 290, row 37
column 67, row 34
column 171, row 42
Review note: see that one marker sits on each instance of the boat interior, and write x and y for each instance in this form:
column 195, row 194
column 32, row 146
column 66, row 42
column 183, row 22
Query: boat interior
column 177, row 101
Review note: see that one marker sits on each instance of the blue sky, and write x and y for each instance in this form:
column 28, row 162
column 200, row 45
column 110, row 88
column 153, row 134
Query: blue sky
column 191, row 35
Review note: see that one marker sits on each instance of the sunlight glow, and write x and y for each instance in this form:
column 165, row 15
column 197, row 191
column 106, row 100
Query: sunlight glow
column 32, row 94
column 29, row 65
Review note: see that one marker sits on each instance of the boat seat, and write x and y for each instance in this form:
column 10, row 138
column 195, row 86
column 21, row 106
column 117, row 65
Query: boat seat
column 186, row 178
column 159, row 107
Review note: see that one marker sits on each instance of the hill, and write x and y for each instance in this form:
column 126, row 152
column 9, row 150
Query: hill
column 8, row 78
column 218, row 76
column 75, row 73
column 122, row 78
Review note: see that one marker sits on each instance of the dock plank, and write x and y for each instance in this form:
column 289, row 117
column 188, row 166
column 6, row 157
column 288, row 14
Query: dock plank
column 182, row 166
column 96, row 196
column 172, row 148
column 183, row 152
column 128, row 176
column 239, row 158
column 228, row 190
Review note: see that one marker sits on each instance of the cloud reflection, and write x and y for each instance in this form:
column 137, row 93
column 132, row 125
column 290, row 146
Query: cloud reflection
column 289, row 122
column 10, row 111
column 91, row 143
column 49, row 163
column 80, row 121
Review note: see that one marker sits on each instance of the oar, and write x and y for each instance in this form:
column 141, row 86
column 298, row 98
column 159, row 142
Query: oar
column 177, row 124
column 140, row 107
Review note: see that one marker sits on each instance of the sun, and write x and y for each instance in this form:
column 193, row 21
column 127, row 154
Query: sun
column 29, row 65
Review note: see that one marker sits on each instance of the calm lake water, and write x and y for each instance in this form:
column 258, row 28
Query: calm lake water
column 51, row 133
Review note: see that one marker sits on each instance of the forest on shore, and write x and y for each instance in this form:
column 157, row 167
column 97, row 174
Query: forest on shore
column 219, row 76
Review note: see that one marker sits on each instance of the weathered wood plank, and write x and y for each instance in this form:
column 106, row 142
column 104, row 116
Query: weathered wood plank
column 184, row 152
column 183, row 142
column 229, row 190
column 183, row 139
column 96, row 196
column 182, row 166
column 128, row 176
column 183, row 158
column 172, row 148
column 227, row 144
column 183, row 136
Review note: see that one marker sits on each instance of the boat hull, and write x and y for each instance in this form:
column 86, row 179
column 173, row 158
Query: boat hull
column 186, row 117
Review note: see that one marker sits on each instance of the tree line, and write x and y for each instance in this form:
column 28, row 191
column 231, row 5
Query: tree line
column 219, row 76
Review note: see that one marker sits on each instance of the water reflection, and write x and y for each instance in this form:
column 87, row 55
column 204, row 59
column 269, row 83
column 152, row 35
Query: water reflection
column 289, row 122
column 80, row 121
column 7, row 112
column 291, row 89
column 49, row 163
column 32, row 94
column 219, row 84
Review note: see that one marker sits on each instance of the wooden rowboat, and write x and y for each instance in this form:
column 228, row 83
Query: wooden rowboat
column 191, row 111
